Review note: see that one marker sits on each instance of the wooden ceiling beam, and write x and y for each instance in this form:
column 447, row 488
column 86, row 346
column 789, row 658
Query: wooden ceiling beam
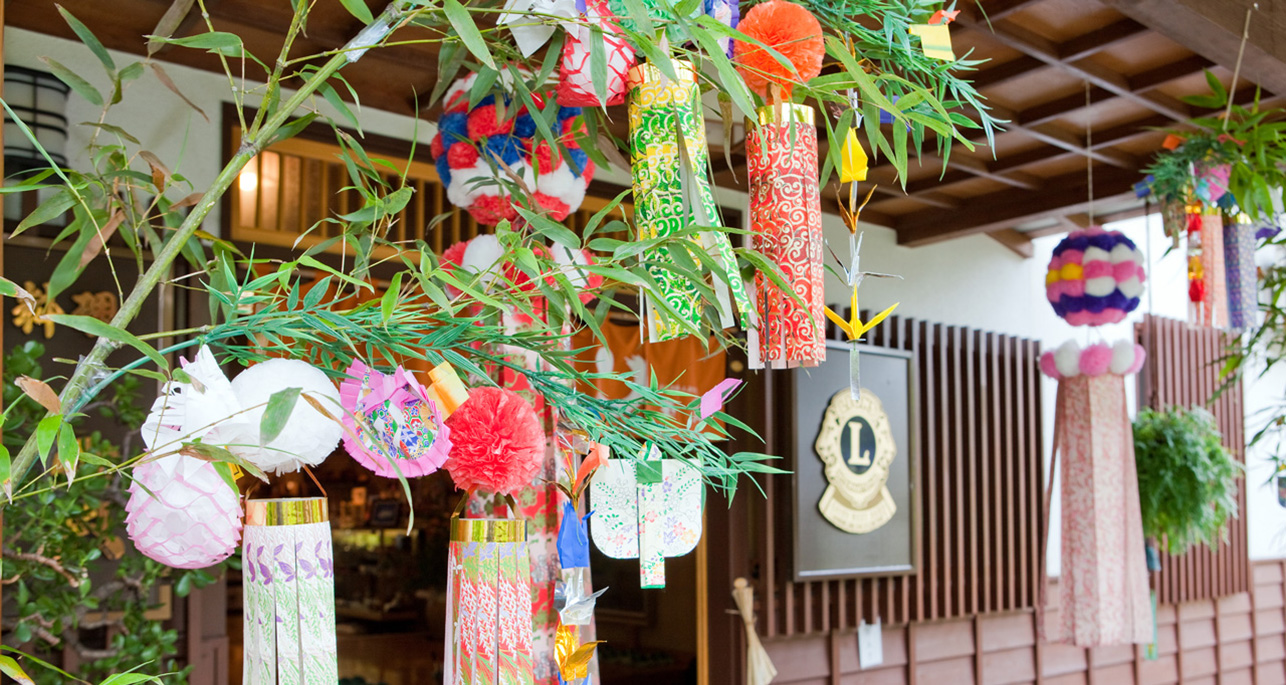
column 996, row 10
column 1018, row 242
column 1213, row 29
column 1041, row 48
column 1006, row 72
column 1094, row 42
column 1005, row 209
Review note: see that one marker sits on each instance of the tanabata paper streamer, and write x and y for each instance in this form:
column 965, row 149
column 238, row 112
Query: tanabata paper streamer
column 575, row 74
column 308, row 436
column 1104, row 582
column 935, row 40
column 182, row 513
column 786, row 216
column 289, row 605
column 727, row 13
column 1205, row 243
column 488, row 623
column 646, row 511
column 670, row 167
column 1095, row 277
column 480, row 156
column 401, row 419
column 1239, row 266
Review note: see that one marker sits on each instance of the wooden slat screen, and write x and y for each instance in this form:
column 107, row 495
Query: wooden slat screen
column 1182, row 370
column 979, row 473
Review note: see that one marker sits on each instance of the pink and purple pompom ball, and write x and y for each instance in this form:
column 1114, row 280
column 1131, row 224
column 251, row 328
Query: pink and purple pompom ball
column 1095, row 277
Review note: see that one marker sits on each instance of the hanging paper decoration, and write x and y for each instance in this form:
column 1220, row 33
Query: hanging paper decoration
column 401, row 420
column 727, row 13
column 573, row 657
column 308, row 436
column 662, row 14
column 289, row 614
column 1207, row 284
column 785, row 202
column 480, row 156
column 532, row 22
column 1210, row 182
column 498, row 446
column 1242, row 283
column 1095, row 277
column 1104, row 583
column 646, row 511
column 853, row 160
column 575, row 73
column 670, row 169
column 182, row 513
column 759, row 666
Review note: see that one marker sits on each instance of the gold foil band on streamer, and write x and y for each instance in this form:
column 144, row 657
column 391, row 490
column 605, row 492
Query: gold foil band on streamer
column 786, row 113
column 286, row 512
column 647, row 72
column 488, row 530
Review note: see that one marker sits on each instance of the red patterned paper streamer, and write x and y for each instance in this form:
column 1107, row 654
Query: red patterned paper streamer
column 786, row 215
column 1214, row 309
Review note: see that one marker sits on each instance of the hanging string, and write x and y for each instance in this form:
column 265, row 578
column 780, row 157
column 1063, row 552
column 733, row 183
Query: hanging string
column 1089, row 150
column 1236, row 72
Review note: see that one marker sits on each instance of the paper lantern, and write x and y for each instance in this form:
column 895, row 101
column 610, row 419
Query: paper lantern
column 647, row 512
column 1095, row 277
column 182, row 513
column 1104, row 592
column 289, row 593
column 786, row 215
column 308, row 436
column 575, row 73
column 488, row 619
column 401, row 419
column 1241, row 275
column 478, row 154
column 672, row 193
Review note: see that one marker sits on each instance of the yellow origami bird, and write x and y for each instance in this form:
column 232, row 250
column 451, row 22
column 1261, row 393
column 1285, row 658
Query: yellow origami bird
column 853, row 160
column 855, row 328
column 573, row 660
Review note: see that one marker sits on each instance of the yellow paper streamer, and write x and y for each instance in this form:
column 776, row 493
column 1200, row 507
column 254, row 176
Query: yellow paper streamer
column 935, row 40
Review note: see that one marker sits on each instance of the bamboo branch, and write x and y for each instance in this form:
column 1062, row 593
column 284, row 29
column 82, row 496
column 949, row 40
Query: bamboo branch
column 74, row 394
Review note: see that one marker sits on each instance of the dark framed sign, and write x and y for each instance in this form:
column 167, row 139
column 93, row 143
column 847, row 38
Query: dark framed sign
column 856, row 509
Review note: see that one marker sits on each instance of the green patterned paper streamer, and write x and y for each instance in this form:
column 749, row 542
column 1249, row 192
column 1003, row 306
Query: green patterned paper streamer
column 670, row 168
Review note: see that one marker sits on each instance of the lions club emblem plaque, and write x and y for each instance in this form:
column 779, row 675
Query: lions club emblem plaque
column 856, row 443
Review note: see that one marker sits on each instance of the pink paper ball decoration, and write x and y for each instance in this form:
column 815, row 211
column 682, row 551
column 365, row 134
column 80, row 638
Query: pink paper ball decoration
column 182, row 513
column 474, row 146
column 1095, row 277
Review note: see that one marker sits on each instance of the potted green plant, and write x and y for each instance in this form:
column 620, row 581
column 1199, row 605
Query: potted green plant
column 1187, row 479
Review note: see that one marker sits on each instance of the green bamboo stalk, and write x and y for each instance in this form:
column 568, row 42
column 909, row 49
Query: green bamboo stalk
column 80, row 381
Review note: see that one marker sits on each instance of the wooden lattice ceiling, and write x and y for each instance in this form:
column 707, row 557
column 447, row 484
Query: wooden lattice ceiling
column 1042, row 54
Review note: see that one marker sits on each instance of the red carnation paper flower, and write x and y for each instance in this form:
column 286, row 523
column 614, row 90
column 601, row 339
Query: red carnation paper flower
column 789, row 29
column 497, row 443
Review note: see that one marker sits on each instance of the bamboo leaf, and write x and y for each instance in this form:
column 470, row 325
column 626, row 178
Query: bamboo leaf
column 74, row 81
column 68, row 450
column 89, row 39
column 11, row 668
column 102, row 329
column 40, row 391
column 277, row 413
column 46, row 434
column 50, row 209
column 169, row 23
column 166, row 81
column 468, row 31
column 10, row 289
column 358, row 9
column 219, row 42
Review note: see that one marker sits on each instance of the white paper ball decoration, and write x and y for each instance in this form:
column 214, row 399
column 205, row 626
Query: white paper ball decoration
column 1068, row 359
column 182, row 513
column 308, row 436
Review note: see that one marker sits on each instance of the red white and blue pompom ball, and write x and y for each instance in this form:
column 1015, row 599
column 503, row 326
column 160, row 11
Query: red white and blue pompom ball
column 1095, row 277
column 469, row 140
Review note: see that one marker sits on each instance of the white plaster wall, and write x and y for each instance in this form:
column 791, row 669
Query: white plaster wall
column 972, row 281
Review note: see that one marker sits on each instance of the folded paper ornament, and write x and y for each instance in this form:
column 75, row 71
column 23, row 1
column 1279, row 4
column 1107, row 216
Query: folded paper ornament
column 206, row 408
column 289, row 586
column 1104, row 592
column 575, row 74
column 401, row 429
column 182, row 513
column 308, row 436
column 485, row 150
column 532, row 22
column 488, row 620
column 670, row 167
column 1095, row 277
column 647, row 511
